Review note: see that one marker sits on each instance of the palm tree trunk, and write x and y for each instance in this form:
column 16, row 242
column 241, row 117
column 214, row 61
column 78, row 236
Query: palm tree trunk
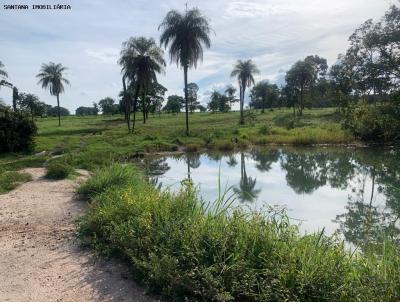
column 242, row 89
column 185, row 71
column 134, row 106
column 58, row 106
column 127, row 106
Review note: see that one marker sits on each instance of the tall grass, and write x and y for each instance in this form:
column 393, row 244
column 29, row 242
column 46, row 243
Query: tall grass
column 180, row 249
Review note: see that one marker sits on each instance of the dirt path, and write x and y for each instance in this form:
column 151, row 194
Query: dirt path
column 40, row 259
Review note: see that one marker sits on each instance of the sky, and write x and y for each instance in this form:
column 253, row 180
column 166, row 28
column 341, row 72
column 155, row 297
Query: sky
column 87, row 39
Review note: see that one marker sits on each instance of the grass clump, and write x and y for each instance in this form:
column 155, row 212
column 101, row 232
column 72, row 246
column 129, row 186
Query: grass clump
column 9, row 180
column 185, row 251
column 58, row 170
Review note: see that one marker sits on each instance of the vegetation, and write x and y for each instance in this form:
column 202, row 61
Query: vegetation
column 58, row 169
column 182, row 249
column 185, row 34
column 9, row 180
column 51, row 77
column 16, row 132
column 244, row 71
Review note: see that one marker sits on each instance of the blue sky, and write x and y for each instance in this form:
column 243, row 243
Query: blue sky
column 87, row 39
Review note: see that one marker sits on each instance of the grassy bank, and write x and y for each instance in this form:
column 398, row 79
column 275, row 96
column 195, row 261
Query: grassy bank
column 93, row 140
column 179, row 249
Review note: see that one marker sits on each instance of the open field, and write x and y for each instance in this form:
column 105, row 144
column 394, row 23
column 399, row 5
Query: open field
column 96, row 140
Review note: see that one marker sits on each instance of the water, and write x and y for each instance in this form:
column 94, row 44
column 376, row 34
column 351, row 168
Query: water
column 354, row 191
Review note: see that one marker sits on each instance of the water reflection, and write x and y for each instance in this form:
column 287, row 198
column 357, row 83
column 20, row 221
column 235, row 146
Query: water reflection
column 351, row 191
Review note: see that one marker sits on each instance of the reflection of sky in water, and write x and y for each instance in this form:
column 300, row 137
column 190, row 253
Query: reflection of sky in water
column 316, row 210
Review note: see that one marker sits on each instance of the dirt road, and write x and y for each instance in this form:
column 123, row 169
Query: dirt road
column 40, row 258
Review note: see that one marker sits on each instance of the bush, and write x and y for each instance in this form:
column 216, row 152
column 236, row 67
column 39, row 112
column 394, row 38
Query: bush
column 264, row 130
column 374, row 123
column 186, row 252
column 16, row 132
column 58, row 170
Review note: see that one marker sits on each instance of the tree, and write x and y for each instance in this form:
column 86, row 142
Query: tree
column 56, row 111
column 155, row 98
column 3, row 73
column 263, row 94
column 219, row 102
column 174, row 104
column 244, row 71
column 107, row 106
column 300, row 78
column 192, row 96
column 230, row 91
column 15, row 98
column 29, row 102
column 51, row 77
column 185, row 34
column 82, row 111
column 141, row 59
column 202, row 108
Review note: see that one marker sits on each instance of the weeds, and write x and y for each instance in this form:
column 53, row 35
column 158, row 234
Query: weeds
column 181, row 249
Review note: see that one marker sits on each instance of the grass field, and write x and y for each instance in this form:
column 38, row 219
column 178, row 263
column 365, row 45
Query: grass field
column 92, row 141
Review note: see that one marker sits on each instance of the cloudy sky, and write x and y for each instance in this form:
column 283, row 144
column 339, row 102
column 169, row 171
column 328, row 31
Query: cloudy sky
column 87, row 39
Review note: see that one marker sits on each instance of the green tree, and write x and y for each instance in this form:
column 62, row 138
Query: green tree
column 185, row 34
column 3, row 73
column 264, row 93
column 230, row 91
column 51, row 76
column 193, row 89
column 30, row 103
column 107, row 106
column 15, row 98
column 174, row 104
column 141, row 59
column 300, row 79
column 244, row 72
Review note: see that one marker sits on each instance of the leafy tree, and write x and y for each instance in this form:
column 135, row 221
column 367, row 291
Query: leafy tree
column 29, row 102
column 300, row 78
column 219, row 102
column 82, row 111
column 3, row 73
column 51, row 77
column 56, row 111
column 192, row 90
column 202, row 108
column 185, row 34
column 263, row 94
column 141, row 59
column 342, row 82
column 174, row 104
column 155, row 98
column 230, row 91
column 107, row 106
column 244, row 71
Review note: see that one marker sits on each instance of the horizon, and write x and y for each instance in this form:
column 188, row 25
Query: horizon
column 87, row 39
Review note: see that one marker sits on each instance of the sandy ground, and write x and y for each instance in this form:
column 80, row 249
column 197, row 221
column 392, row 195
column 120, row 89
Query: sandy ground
column 40, row 258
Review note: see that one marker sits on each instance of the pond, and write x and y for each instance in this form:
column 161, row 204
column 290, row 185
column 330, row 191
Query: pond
column 355, row 191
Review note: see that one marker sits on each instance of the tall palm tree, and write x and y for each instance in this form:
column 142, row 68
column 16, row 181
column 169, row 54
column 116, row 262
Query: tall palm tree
column 244, row 71
column 141, row 59
column 185, row 34
column 51, row 77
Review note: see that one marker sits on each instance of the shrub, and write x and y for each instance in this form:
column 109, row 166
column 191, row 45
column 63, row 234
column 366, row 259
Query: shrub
column 374, row 123
column 187, row 252
column 9, row 180
column 16, row 132
column 58, row 170
column 264, row 130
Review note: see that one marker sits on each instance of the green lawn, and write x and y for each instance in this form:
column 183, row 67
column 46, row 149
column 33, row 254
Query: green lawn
column 93, row 141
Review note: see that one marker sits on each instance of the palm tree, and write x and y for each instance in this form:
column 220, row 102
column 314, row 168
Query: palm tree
column 246, row 190
column 51, row 77
column 185, row 34
column 244, row 71
column 141, row 59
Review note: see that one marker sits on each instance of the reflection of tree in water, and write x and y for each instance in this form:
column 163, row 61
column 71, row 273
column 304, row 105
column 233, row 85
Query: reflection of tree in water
column 365, row 223
column 155, row 167
column 192, row 162
column 231, row 162
column 265, row 158
column 246, row 191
